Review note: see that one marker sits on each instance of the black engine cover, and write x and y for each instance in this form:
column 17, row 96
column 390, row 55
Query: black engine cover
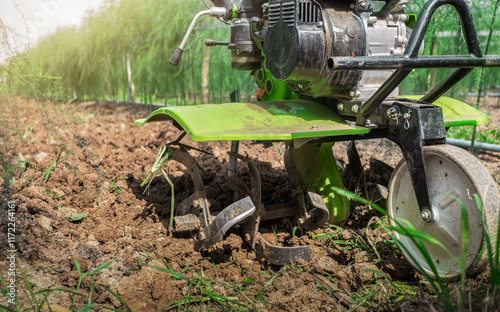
column 303, row 34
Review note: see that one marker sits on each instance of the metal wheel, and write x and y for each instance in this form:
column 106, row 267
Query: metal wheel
column 450, row 171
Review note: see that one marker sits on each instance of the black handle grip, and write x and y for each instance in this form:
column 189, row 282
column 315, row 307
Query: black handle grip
column 176, row 57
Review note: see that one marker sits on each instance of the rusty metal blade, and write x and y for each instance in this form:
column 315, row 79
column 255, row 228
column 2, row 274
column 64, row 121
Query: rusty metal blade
column 228, row 217
column 282, row 255
column 318, row 215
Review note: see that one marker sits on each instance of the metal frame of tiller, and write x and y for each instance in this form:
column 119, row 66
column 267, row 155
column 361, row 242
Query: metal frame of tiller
column 412, row 124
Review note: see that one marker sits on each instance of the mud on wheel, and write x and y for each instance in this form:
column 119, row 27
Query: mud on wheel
column 452, row 173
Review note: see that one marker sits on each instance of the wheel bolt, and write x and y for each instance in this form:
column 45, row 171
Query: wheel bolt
column 426, row 215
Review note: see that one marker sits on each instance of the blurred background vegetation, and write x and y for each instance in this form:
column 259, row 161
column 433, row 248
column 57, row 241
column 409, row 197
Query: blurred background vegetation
column 89, row 62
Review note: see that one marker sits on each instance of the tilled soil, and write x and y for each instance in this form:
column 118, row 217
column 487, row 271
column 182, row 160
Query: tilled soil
column 99, row 160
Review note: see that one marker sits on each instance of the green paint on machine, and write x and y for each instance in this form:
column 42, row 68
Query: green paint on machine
column 272, row 120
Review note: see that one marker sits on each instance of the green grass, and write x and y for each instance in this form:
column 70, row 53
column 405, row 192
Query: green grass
column 114, row 188
column 491, row 136
column 53, row 165
column 39, row 300
column 204, row 293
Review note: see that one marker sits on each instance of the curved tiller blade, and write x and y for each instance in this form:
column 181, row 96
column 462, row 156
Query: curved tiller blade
column 282, row 255
column 231, row 215
column 318, row 215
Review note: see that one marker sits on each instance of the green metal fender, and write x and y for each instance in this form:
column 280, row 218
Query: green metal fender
column 284, row 120
column 456, row 113
column 287, row 120
column 272, row 121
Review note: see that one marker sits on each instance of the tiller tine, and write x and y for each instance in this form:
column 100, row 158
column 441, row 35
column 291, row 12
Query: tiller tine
column 193, row 213
column 274, row 254
column 231, row 215
column 318, row 215
column 355, row 165
column 282, row 255
column 198, row 199
column 380, row 172
column 250, row 228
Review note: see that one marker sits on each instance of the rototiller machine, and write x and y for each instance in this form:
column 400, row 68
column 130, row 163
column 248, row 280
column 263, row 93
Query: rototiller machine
column 329, row 71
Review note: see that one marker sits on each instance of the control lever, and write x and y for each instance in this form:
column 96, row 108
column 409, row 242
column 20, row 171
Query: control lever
column 214, row 12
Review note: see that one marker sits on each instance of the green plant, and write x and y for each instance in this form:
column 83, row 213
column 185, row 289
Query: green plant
column 54, row 195
column 115, row 188
column 491, row 135
column 294, row 230
column 275, row 236
column 202, row 291
column 77, row 217
column 27, row 132
column 163, row 155
column 333, row 231
column 493, row 252
column 52, row 166
column 39, row 299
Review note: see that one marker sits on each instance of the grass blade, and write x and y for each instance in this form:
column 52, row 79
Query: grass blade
column 101, row 267
column 172, row 200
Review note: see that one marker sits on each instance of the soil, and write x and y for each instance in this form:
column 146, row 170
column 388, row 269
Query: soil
column 99, row 160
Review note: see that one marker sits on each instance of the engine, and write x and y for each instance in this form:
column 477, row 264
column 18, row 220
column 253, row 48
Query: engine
column 299, row 36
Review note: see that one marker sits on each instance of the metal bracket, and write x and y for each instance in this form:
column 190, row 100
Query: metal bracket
column 417, row 125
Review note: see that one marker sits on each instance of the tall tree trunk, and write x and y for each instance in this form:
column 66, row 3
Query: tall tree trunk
column 192, row 96
column 183, row 92
column 205, row 74
column 131, row 87
column 434, row 51
column 110, row 94
column 432, row 82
